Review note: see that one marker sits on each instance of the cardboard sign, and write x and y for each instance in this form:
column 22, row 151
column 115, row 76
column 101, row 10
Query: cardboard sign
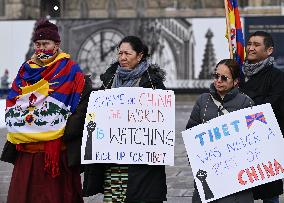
column 130, row 125
column 235, row 152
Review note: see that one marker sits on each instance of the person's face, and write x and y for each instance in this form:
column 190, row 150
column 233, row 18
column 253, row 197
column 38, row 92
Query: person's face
column 256, row 50
column 223, row 80
column 45, row 49
column 127, row 57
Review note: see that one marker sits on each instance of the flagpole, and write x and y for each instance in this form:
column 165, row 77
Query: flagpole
column 228, row 29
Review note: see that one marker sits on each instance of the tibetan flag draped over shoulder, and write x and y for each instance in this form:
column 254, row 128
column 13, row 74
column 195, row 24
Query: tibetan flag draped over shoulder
column 234, row 31
column 39, row 104
column 42, row 99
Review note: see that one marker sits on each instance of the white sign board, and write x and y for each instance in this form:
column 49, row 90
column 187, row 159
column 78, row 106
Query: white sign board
column 130, row 125
column 235, row 152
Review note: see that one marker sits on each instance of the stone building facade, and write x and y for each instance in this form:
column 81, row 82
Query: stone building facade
column 91, row 29
column 33, row 9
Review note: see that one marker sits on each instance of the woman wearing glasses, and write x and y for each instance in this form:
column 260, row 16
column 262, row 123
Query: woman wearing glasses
column 223, row 97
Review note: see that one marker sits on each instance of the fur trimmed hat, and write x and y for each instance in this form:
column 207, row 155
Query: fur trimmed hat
column 46, row 30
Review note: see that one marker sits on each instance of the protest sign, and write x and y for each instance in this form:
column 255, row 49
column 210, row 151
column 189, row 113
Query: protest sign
column 130, row 125
column 235, row 152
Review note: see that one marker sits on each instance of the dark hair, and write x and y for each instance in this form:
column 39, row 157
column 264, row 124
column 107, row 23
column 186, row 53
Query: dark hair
column 137, row 45
column 267, row 38
column 233, row 66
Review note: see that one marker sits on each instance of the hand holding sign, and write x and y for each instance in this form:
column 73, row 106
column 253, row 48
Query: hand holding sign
column 130, row 126
column 241, row 149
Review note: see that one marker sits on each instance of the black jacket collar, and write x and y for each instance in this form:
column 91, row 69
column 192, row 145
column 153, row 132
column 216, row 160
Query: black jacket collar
column 230, row 95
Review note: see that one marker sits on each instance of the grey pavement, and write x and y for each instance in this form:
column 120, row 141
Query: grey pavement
column 179, row 177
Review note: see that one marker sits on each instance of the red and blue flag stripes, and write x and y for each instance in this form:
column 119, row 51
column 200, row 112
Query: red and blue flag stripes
column 65, row 80
column 234, row 27
column 258, row 116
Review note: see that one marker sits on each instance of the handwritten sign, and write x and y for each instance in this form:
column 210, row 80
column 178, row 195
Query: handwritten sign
column 130, row 125
column 235, row 152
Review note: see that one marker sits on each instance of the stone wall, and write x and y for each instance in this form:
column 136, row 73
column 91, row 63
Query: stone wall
column 30, row 9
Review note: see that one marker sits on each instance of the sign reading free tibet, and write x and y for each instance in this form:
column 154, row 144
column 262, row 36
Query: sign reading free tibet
column 235, row 152
column 130, row 125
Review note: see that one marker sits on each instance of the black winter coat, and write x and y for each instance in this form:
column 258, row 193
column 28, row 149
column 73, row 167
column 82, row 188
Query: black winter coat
column 146, row 183
column 205, row 109
column 72, row 135
column 267, row 86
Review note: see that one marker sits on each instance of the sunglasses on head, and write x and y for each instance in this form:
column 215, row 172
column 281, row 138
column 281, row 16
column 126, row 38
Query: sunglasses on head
column 216, row 76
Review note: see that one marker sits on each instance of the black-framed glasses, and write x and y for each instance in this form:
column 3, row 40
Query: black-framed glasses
column 224, row 78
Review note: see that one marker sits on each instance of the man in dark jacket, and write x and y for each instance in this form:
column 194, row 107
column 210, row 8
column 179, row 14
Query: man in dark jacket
column 263, row 83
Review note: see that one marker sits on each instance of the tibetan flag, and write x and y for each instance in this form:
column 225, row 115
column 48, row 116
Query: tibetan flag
column 41, row 100
column 234, row 31
column 258, row 116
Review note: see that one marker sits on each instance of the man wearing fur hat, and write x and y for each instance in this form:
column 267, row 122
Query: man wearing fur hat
column 45, row 112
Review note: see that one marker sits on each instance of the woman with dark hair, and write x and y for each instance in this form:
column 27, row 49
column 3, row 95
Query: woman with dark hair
column 129, row 183
column 223, row 97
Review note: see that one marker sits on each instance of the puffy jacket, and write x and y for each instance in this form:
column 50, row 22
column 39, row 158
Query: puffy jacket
column 205, row 109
